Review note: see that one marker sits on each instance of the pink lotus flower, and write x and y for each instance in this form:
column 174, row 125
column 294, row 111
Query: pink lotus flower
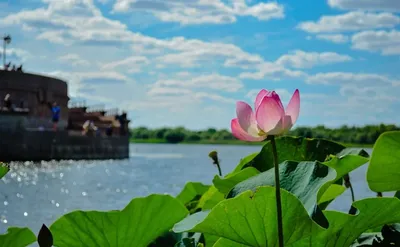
column 270, row 118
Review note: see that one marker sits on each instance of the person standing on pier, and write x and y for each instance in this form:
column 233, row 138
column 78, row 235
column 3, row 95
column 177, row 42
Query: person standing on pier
column 55, row 110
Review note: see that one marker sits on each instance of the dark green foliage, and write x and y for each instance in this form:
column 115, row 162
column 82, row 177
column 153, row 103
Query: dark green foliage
column 174, row 136
column 356, row 135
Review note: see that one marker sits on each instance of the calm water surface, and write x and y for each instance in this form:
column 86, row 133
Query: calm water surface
column 32, row 194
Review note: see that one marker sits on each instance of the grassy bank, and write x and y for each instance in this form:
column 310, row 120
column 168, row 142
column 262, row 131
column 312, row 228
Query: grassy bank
column 350, row 136
column 229, row 142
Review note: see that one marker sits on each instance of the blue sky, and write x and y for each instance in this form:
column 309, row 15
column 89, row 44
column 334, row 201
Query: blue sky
column 186, row 63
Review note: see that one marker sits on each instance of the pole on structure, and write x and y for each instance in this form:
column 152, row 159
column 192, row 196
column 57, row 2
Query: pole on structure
column 6, row 41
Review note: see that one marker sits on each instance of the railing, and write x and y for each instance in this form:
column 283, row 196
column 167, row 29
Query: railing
column 77, row 104
column 93, row 108
column 112, row 112
column 96, row 108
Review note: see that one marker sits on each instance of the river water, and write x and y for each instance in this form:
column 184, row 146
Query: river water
column 32, row 194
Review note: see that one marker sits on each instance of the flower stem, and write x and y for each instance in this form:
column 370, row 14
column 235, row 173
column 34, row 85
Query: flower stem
column 277, row 192
column 352, row 193
column 214, row 156
column 219, row 169
column 348, row 184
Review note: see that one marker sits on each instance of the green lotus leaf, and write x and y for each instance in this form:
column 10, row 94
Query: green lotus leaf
column 17, row 237
column 384, row 168
column 250, row 219
column 138, row 224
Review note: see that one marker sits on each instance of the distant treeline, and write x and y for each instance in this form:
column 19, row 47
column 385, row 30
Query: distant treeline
column 345, row 134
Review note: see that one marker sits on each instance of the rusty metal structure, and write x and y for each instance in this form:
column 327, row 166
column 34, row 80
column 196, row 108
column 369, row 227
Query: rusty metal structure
column 26, row 130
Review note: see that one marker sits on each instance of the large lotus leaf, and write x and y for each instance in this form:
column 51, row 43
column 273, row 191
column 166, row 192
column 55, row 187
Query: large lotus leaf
column 291, row 148
column 223, row 242
column 333, row 191
column 210, row 240
column 211, row 198
column 138, row 224
column 244, row 161
column 353, row 151
column 4, row 168
column 343, row 163
column 302, row 179
column 384, row 168
column 17, row 237
column 192, row 191
column 224, row 185
column 250, row 219
column 344, row 228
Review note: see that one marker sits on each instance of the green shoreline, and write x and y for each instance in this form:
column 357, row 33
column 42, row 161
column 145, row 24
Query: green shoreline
column 229, row 142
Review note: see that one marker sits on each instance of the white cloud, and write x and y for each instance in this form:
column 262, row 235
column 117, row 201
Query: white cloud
column 183, row 74
column 371, row 93
column 74, row 81
column 186, row 90
column 91, row 28
column 272, row 71
column 79, row 14
column 178, row 109
column 211, row 81
column 133, row 64
column 245, row 62
column 351, row 21
column 377, row 98
column 13, row 54
column 201, row 11
column 335, row 38
column 356, row 91
column 78, row 80
column 301, row 59
column 170, row 98
column 385, row 5
column 107, row 75
column 360, row 79
column 193, row 53
column 215, row 97
column 385, row 42
column 168, row 91
column 146, row 49
column 74, row 59
column 162, row 101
